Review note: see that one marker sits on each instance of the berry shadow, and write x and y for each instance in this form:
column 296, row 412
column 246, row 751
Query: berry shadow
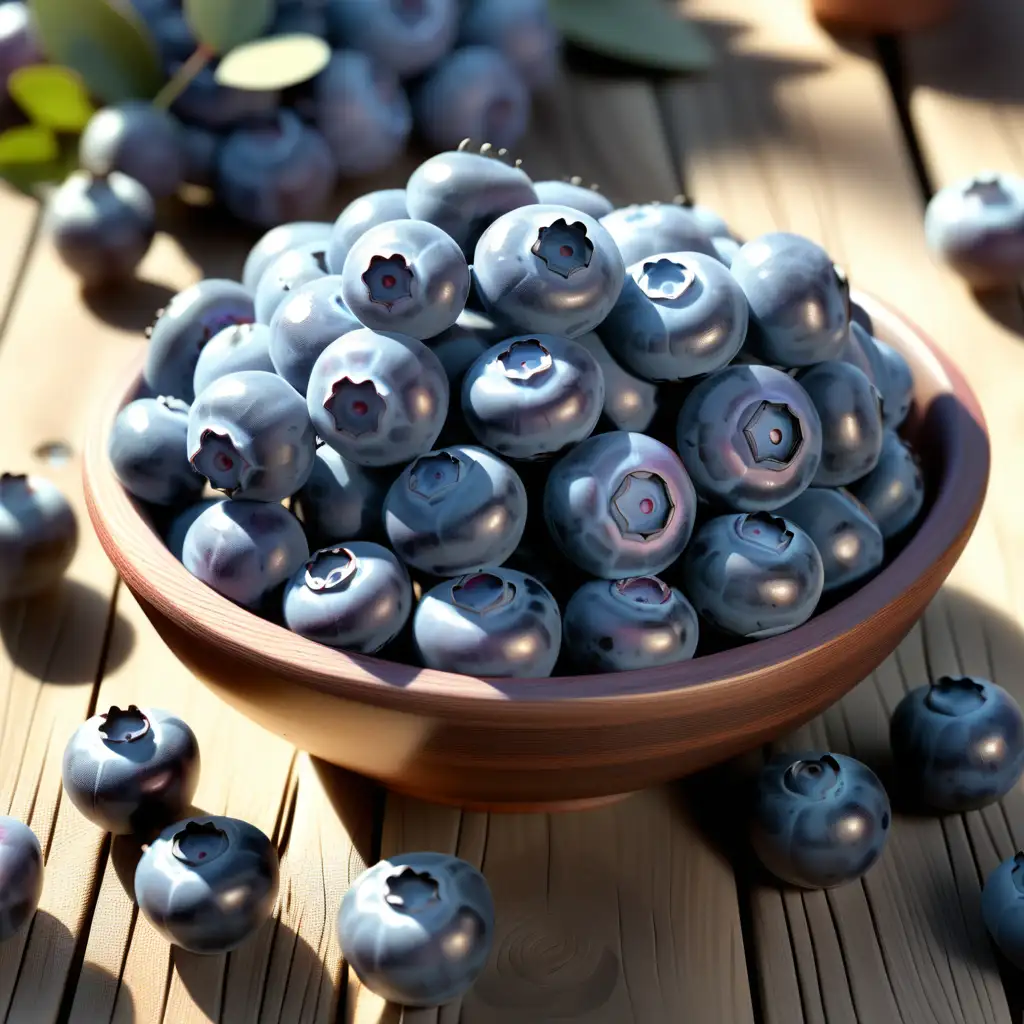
column 97, row 987
column 38, row 635
column 1004, row 307
column 130, row 306
column 359, row 804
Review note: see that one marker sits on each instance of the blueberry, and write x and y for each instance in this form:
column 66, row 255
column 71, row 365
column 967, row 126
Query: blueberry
column 896, row 385
column 179, row 526
column 620, row 504
column 208, row 883
column 496, row 623
column 522, row 30
column 38, row 535
column 171, row 32
column 291, row 270
column 19, row 45
column 463, row 193
column 1002, row 908
column 859, row 349
column 235, row 348
column 548, row 268
column 378, row 399
column 574, row 194
column 101, row 227
column 976, row 226
column 130, row 769
column 417, row 928
column 354, row 595
column 362, row 111
column 340, row 500
column 850, row 409
column 620, row 625
column 893, row 492
column 200, row 148
column 21, row 863
column 358, row 217
column 406, row 276
column 820, row 819
column 846, row 536
column 274, row 173
column 137, row 139
column 407, row 36
column 749, row 437
column 249, row 434
column 206, row 103
column 304, row 323
column 305, row 17
column 277, row 241
column 711, row 222
column 148, row 453
column 958, row 742
column 753, row 575
column 679, row 315
column 531, row 396
column 630, row 402
column 463, row 343
column 181, row 330
column 455, row 511
column 475, row 92
column 726, row 248
column 643, row 229
column 244, row 550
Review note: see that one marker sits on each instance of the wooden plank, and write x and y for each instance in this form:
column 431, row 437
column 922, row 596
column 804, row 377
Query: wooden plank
column 625, row 914
column 817, row 121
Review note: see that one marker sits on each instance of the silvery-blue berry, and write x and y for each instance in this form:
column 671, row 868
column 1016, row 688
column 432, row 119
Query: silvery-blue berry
column 19, row 42
column 208, row 883
column 21, row 856
column 820, row 819
column 522, row 30
column 750, row 437
column 220, row 108
column 130, row 769
column 278, row 240
column 406, row 276
column 199, row 150
column 464, row 342
column 620, row 625
column 417, row 928
column 976, row 226
column 643, row 229
column 886, row 368
column 148, row 451
column 378, row 399
column 235, row 348
column 620, row 504
column 574, row 194
column 798, row 302
column 289, row 272
column 726, row 247
column 847, row 537
column 249, row 434
column 497, row 622
column 1002, row 908
column 893, row 492
column 244, row 550
column 174, row 537
column 455, row 510
column 710, row 221
column 358, row 217
column 548, row 268
column 532, row 396
column 181, row 330
column 753, row 575
column 679, row 315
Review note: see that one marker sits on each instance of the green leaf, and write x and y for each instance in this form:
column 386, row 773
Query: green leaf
column 28, row 144
column 275, row 63
column 52, row 96
column 643, row 32
column 224, row 24
column 105, row 42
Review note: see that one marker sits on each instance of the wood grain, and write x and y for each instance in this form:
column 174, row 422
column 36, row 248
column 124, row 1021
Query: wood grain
column 907, row 943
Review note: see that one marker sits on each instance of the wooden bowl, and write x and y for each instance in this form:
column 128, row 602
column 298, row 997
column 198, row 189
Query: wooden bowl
column 882, row 16
column 510, row 744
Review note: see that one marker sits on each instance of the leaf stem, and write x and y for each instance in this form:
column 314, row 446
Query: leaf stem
column 181, row 78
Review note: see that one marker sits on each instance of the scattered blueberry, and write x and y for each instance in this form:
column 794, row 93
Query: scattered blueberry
column 893, row 492
column 358, row 217
column 644, row 229
column 206, row 103
column 522, row 30
column 200, row 148
column 21, row 862
column 231, row 350
column 1002, row 908
column 19, row 45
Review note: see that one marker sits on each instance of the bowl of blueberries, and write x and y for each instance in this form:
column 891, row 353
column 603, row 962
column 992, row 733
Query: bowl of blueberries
column 508, row 497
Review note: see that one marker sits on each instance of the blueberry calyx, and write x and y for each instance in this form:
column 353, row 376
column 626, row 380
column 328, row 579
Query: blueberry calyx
column 411, row 891
column 482, row 593
column 642, row 590
column 388, row 280
column 355, row 406
column 199, row 842
column 773, row 434
column 526, row 359
column 434, row 474
column 766, row 530
column 666, row 280
column 124, row 725
column 173, row 404
column 218, row 459
column 343, row 566
column 642, row 506
column 813, row 779
column 564, row 248
column 988, row 189
column 955, row 696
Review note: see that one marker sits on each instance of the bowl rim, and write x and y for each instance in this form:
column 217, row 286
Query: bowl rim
column 152, row 572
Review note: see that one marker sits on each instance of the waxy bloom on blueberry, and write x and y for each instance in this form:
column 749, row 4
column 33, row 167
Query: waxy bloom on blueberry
column 643, row 229
column 238, row 347
column 21, row 876
column 574, row 194
column 289, row 272
column 275, row 242
column 358, row 217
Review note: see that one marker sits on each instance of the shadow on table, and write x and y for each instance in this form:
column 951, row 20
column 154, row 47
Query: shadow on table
column 131, row 306
column 38, row 634
column 97, row 987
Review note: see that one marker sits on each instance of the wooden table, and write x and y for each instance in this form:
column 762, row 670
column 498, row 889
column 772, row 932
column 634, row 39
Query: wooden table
column 642, row 913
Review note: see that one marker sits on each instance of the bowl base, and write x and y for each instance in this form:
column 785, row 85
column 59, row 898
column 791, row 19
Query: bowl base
column 510, row 807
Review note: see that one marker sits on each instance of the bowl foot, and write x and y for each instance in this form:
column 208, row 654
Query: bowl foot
column 510, row 807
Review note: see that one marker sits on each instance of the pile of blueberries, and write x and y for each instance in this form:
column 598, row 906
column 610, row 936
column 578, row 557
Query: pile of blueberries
column 499, row 427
